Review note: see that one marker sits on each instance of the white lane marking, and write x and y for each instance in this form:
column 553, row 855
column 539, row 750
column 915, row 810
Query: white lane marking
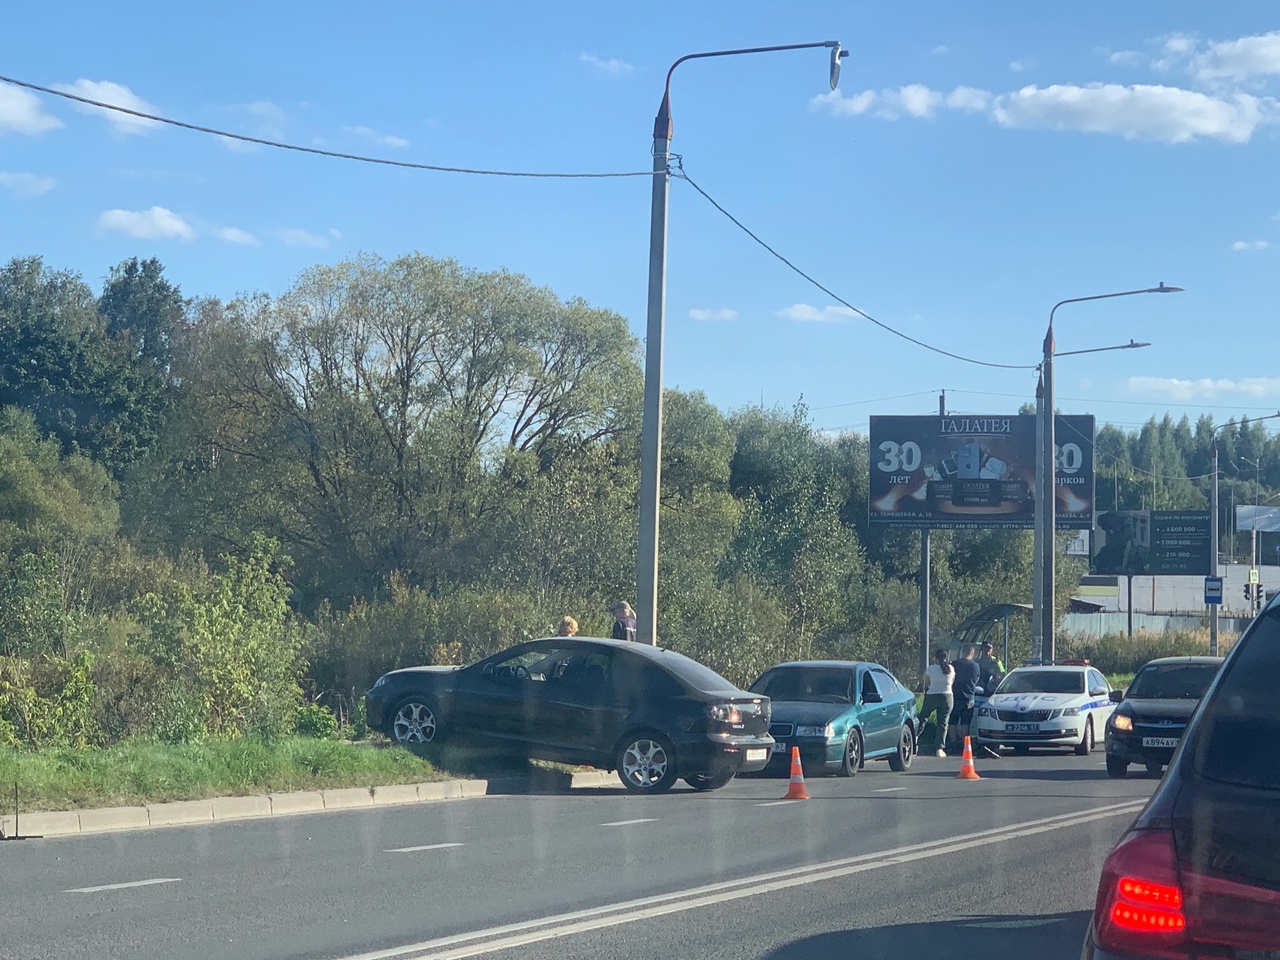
column 429, row 846
column 889, row 789
column 521, row 934
column 121, row 886
column 775, row 803
column 627, row 823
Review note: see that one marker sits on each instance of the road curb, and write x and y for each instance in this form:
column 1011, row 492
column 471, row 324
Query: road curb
column 65, row 823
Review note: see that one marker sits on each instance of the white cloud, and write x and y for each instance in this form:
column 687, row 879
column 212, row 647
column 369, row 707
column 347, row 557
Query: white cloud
column 1017, row 66
column 842, row 106
column 1177, row 48
column 297, row 237
column 1250, row 245
column 913, row 100
column 156, row 223
column 1206, row 388
column 1142, row 111
column 235, row 235
column 335, row 233
column 1126, row 58
column 806, row 313
column 723, row 313
column 116, row 94
column 1254, row 56
column 21, row 112
column 382, row 139
column 940, row 49
column 26, row 184
column 613, row 66
column 968, row 98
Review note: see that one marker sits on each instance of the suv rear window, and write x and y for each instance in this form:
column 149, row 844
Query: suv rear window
column 1241, row 724
column 695, row 674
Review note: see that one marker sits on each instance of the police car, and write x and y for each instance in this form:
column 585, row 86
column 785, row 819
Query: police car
column 1063, row 703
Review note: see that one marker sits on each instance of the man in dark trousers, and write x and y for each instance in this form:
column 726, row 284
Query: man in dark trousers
column 624, row 621
column 965, row 686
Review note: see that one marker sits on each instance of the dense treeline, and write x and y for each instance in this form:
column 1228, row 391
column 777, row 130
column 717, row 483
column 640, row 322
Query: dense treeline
column 213, row 514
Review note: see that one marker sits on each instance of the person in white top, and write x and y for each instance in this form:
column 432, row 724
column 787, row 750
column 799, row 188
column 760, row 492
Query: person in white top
column 937, row 680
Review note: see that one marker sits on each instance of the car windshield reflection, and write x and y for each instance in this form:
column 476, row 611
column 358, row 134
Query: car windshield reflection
column 805, row 685
column 1042, row 681
column 1180, row 681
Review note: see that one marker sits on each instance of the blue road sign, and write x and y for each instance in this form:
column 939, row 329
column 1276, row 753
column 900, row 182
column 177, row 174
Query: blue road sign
column 1212, row 589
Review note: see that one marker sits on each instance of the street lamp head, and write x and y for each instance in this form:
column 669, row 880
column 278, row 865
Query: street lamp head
column 1163, row 289
column 836, row 56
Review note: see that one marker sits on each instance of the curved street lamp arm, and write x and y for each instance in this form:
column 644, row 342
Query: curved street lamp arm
column 662, row 127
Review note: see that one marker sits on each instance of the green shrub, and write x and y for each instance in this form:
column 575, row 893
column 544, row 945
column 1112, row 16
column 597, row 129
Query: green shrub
column 1116, row 653
column 316, row 721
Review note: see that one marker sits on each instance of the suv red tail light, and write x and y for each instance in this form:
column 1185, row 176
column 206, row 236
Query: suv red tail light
column 1139, row 907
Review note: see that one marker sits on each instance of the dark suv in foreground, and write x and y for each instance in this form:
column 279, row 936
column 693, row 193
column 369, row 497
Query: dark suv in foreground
column 1198, row 873
column 651, row 714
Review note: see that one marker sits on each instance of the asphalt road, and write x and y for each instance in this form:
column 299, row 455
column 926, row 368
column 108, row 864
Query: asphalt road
column 884, row 864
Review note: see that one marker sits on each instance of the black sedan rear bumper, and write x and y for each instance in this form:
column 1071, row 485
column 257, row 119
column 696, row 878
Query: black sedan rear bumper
column 720, row 755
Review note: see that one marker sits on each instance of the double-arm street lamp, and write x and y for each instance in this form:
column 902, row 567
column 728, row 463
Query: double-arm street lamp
column 1044, row 587
column 651, row 435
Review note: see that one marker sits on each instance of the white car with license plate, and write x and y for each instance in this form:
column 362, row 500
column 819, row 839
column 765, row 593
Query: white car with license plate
column 1062, row 704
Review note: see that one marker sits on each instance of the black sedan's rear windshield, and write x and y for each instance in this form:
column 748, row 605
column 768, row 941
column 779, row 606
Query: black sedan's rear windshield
column 1173, row 681
column 813, row 684
column 695, row 674
column 1043, row 681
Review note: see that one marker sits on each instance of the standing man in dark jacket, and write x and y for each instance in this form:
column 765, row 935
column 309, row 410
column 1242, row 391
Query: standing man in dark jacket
column 968, row 673
column 624, row 621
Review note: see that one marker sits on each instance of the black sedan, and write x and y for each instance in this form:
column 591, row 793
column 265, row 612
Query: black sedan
column 1147, row 725
column 651, row 714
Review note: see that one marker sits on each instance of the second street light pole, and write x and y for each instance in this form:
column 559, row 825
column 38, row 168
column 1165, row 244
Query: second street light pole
column 651, row 432
column 1045, row 614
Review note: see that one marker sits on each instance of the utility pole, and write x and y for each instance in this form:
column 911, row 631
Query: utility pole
column 1037, row 559
column 925, row 549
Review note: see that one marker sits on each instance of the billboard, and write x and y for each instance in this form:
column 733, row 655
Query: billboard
column 1157, row 542
column 1263, row 519
column 972, row 471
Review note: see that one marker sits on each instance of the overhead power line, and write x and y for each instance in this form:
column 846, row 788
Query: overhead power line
column 337, row 155
column 681, row 174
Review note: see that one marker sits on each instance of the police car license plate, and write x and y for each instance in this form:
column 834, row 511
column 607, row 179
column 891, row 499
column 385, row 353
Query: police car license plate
column 757, row 753
column 779, row 747
column 1159, row 741
column 1022, row 728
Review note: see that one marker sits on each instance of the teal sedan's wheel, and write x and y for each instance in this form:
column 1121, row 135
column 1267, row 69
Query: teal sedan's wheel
column 852, row 760
column 901, row 760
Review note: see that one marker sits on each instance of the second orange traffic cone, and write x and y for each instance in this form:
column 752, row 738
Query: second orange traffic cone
column 796, row 791
column 967, row 771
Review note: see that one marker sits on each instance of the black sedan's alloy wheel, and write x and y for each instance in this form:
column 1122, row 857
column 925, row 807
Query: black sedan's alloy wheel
column 414, row 721
column 646, row 763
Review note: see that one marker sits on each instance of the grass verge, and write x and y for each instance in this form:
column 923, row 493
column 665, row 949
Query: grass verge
column 134, row 773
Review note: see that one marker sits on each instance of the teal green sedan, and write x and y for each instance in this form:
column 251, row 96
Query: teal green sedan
column 840, row 713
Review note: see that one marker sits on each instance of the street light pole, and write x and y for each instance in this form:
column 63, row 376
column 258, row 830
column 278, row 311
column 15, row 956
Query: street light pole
column 1048, row 515
column 651, row 432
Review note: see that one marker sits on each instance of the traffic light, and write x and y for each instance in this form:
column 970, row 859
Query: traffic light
column 1248, row 591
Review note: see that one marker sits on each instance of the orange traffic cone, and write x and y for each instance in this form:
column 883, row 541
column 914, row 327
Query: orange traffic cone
column 967, row 772
column 796, row 791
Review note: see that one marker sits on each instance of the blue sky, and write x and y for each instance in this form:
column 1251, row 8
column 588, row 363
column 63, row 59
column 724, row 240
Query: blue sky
column 979, row 163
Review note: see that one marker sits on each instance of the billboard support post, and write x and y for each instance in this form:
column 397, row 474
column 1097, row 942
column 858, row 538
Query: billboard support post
column 1130, row 605
column 925, row 564
column 1213, row 546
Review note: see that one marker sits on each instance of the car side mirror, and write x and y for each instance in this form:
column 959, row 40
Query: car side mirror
column 872, row 696
column 1116, row 696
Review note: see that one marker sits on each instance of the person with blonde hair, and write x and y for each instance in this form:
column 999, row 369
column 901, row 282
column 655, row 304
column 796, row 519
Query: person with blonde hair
column 568, row 627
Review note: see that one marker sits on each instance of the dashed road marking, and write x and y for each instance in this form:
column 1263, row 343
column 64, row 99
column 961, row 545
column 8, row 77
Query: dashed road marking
column 122, row 886
column 889, row 789
column 428, row 846
column 628, row 823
